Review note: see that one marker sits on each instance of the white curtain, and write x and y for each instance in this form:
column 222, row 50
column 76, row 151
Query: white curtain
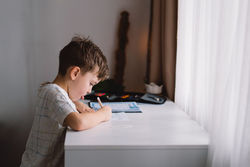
column 212, row 75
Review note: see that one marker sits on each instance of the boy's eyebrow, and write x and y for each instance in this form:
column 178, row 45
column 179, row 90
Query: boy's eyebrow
column 94, row 82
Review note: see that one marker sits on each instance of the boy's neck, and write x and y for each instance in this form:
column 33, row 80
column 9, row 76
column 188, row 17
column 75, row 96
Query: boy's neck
column 61, row 81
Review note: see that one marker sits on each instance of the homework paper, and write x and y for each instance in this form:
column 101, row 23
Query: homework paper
column 119, row 117
column 117, row 107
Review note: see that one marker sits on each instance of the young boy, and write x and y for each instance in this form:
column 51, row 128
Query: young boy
column 81, row 65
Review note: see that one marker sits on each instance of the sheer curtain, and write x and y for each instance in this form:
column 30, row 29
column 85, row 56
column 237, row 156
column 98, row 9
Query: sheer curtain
column 212, row 75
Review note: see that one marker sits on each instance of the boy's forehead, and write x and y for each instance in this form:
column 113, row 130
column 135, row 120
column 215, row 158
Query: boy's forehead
column 95, row 76
column 95, row 72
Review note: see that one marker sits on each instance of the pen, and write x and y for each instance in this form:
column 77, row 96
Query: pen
column 99, row 101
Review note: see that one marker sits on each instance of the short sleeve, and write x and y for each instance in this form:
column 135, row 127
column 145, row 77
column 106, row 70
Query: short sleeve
column 59, row 106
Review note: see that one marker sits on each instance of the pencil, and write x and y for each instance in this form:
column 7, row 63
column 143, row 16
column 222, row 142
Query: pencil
column 99, row 101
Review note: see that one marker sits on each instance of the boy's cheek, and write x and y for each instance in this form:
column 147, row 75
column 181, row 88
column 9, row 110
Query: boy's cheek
column 74, row 96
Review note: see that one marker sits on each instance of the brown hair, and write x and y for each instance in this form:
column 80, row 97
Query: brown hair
column 85, row 54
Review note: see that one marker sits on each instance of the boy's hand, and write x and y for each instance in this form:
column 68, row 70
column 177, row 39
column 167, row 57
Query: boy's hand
column 81, row 107
column 106, row 110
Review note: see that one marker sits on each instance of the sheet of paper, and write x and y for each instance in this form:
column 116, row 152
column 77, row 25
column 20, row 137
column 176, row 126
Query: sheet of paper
column 128, row 107
column 119, row 117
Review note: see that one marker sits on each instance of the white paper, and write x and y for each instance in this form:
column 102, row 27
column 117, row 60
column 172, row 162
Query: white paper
column 119, row 117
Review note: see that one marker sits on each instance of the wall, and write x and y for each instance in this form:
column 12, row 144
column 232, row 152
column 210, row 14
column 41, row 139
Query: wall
column 57, row 21
column 31, row 36
column 15, row 52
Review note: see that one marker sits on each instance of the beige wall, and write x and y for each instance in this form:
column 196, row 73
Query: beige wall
column 15, row 52
column 57, row 21
column 31, row 34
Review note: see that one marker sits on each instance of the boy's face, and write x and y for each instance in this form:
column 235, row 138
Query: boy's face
column 82, row 84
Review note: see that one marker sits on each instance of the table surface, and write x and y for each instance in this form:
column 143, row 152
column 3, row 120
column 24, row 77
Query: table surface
column 157, row 127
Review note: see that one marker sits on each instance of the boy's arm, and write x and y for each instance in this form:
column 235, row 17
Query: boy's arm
column 86, row 120
column 81, row 107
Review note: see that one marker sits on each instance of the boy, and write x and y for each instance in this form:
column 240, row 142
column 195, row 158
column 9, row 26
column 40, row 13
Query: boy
column 81, row 65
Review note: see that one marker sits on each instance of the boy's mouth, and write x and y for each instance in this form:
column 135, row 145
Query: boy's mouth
column 82, row 97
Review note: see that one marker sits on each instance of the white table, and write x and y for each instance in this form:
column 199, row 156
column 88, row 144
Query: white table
column 161, row 136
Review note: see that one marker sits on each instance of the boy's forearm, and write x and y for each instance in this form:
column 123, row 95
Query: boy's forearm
column 91, row 119
column 86, row 120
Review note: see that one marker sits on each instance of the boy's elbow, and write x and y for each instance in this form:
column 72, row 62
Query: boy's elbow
column 75, row 122
column 79, row 126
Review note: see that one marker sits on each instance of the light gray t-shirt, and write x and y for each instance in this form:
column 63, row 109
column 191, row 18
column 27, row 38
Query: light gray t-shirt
column 45, row 145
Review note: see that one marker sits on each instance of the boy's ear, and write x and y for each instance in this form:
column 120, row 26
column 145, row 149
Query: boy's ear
column 74, row 72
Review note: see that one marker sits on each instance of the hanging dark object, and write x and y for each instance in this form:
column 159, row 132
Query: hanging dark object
column 148, row 63
column 116, row 85
column 120, row 54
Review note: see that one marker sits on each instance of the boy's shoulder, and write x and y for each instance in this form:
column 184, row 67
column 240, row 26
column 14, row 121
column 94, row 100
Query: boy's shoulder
column 51, row 90
column 52, row 95
column 48, row 87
